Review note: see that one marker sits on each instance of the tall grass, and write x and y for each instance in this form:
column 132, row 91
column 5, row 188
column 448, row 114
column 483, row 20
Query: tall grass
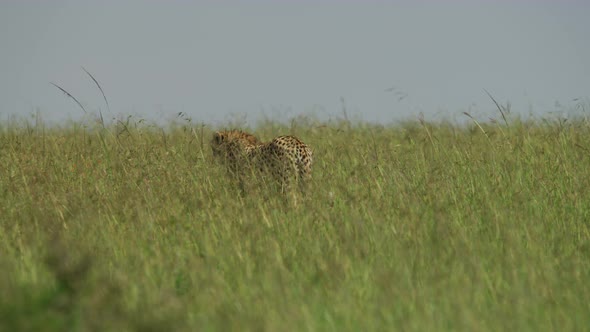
column 417, row 226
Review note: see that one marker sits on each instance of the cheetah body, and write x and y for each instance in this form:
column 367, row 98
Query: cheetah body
column 286, row 158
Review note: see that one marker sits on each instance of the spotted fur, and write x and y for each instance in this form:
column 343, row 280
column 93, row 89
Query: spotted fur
column 286, row 158
column 233, row 147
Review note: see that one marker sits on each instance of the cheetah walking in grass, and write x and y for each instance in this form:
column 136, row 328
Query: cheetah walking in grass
column 285, row 158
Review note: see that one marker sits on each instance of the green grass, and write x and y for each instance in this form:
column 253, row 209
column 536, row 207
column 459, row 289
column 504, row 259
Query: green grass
column 410, row 227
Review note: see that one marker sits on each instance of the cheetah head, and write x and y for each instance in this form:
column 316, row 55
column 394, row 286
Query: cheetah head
column 226, row 141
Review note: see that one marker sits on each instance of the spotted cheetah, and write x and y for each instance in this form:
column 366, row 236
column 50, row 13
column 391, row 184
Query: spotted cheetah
column 286, row 158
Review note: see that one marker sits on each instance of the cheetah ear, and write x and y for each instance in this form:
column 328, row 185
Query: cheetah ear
column 217, row 137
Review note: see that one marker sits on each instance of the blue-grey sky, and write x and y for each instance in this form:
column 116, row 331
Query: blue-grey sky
column 387, row 59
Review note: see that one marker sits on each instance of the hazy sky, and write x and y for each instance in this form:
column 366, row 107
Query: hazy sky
column 284, row 58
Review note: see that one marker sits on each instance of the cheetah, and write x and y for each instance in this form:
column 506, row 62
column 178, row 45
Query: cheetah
column 285, row 158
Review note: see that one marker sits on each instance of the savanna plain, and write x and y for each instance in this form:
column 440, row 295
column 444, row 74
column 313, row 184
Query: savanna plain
column 414, row 226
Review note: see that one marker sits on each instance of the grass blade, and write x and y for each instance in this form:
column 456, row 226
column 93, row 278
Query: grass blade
column 498, row 106
column 69, row 95
column 103, row 95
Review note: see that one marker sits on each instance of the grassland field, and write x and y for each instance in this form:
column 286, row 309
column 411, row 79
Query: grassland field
column 413, row 226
